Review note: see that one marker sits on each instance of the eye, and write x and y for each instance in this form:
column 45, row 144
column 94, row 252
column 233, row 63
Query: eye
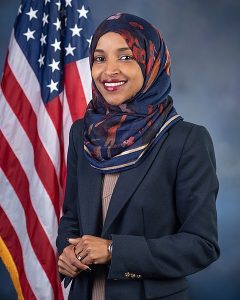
column 126, row 57
column 99, row 59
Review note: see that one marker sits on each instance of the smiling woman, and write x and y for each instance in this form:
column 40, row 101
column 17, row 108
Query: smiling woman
column 117, row 75
column 139, row 210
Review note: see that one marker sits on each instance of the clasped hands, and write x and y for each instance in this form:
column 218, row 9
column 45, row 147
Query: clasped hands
column 81, row 253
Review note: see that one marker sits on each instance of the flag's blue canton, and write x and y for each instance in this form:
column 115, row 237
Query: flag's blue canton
column 50, row 34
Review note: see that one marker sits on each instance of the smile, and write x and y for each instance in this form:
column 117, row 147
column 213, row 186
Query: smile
column 112, row 84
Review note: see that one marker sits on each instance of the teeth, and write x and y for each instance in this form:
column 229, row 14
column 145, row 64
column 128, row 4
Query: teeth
column 111, row 84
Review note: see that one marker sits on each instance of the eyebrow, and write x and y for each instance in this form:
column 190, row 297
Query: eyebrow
column 119, row 50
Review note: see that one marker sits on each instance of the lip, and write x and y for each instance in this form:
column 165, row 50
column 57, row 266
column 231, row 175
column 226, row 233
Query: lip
column 113, row 85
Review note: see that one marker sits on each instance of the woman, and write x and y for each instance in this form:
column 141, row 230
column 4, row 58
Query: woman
column 139, row 211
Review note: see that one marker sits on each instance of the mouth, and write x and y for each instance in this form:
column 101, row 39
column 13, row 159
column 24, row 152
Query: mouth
column 113, row 85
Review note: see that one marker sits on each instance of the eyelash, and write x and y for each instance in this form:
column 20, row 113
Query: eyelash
column 100, row 59
column 129, row 57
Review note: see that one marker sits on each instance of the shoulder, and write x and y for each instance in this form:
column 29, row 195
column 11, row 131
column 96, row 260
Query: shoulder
column 76, row 136
column 76, row 130
column 77, row 126
column 183, row 130
column 185, row 137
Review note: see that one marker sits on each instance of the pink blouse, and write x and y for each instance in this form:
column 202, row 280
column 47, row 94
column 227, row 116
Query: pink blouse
column 109, row 182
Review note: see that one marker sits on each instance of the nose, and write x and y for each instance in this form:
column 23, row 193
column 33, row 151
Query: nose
column 111, row 67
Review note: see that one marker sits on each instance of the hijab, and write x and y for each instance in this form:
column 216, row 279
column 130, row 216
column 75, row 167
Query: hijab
column 117, row 138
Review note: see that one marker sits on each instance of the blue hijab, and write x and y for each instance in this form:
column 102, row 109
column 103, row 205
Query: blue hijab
column 117, row 138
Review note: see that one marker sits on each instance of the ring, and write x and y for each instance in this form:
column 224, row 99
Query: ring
column 79, row 257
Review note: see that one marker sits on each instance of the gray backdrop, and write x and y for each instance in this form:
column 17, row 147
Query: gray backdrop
column 204, row 42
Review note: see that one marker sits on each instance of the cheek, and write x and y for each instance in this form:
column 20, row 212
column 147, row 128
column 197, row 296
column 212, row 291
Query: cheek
column 137, row 76
column 95, row 73
column 139, row 80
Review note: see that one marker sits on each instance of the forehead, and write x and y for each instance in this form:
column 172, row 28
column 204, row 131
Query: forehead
column 111, row 41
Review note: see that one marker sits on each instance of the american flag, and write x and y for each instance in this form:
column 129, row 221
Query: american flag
column 46, row 85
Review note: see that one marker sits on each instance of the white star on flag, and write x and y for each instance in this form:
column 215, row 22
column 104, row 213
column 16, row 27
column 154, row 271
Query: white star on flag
column 54, row 65
column 75, row 30
column 57, row 24
column 45, row 18
column 32, row 14
column 68, row 2
column 20, row 9
column 82, row 12
column 58, row 5
column 69, row 50
column 29, row 34
column 43, row 39
column 53, row 86
column 41, row 60
column 89, row 40
column 56, row 45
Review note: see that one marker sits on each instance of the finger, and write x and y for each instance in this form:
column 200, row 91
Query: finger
column 78, row 249
column 72, row 265
column 81, row 255
column 74, row 241
column 80, row 265
column 68, row 258
column 88, row 260
column 66, row 270
column 66, row 263
column 79, row 246
column 68, row 273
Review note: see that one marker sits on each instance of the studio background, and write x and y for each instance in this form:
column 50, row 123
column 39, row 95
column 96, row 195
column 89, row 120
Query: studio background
column 204, row 42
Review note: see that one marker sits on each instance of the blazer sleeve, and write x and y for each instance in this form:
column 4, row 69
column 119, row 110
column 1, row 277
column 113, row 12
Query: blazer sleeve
column 69, row 225
column 194, row 246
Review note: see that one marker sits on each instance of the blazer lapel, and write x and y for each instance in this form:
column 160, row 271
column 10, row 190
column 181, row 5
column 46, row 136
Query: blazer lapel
column 127, row 184
column 90, row 186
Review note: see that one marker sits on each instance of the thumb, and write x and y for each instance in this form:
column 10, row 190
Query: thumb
column 74, row 241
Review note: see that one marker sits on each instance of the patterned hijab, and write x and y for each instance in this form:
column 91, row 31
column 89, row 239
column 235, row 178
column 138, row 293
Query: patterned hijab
column 117, row 138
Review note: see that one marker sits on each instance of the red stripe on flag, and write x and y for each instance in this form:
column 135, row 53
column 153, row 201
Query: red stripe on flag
column 74, row 91
column 54, row 109
column 11, row 240
column 28, row 119
column 37, row 235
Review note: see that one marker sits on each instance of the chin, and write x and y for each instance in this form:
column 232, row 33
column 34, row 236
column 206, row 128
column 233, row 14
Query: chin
column 115, row 102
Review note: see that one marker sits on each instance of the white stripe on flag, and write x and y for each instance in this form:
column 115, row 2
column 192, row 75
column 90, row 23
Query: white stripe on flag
column 16, row 215
column 85, row 75
column 67, row 122
column 22, row 147
column 24, row 74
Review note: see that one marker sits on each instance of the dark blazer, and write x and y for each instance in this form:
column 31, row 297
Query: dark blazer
column 161, row 218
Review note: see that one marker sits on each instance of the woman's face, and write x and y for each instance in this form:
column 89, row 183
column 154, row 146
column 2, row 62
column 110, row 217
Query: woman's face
column 116, row 74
